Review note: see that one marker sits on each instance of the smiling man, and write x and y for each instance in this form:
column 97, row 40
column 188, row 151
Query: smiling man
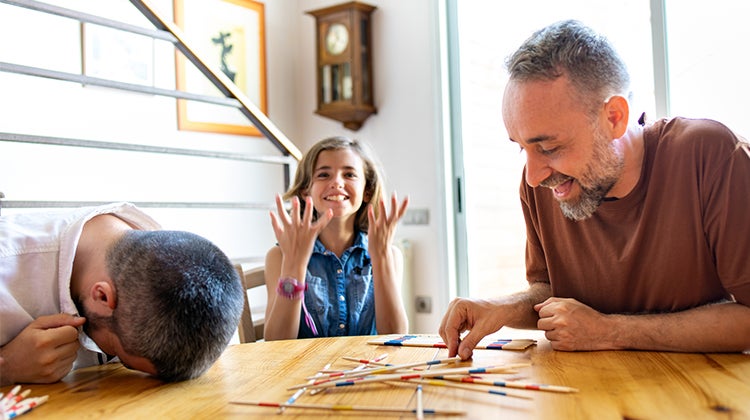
column 162, row 302
column 637, row 236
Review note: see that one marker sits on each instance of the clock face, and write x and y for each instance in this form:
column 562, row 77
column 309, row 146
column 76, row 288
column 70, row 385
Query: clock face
column 337, row 38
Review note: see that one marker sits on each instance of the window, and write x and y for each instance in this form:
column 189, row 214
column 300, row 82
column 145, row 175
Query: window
column 706, row 53
column 708, row 59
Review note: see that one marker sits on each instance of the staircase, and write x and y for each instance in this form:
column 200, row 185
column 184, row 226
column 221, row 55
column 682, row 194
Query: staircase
column 69, row 139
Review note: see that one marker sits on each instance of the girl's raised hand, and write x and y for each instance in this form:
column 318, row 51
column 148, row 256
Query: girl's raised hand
column 382, row 227
column 296, row 233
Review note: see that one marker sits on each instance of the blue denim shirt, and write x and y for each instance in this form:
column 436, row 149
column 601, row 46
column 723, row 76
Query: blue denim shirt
column 340, row 295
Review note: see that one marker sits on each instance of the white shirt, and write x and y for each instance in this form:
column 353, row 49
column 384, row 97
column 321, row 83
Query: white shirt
column 36, row 262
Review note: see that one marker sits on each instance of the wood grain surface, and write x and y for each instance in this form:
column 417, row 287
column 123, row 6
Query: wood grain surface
column 612, row 385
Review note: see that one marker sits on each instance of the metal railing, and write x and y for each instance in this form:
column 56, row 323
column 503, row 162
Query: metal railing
column 166, row 31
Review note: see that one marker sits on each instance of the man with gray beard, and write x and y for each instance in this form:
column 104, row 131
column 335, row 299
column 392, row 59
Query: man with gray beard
column 637, row 235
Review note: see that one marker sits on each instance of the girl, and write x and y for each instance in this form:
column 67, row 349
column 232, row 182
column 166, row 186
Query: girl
column 335, row 270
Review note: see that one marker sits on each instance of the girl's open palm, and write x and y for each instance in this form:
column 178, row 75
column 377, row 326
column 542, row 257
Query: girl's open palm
column 381, row 230
column 296, row 233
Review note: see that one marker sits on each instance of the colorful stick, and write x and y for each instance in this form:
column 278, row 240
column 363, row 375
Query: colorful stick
column 15, row 399
column 420, row 407
column 511, row 384
column 375, row 361
column 9, row 396
column 363, row 363
column 365, row 372
column 299, row 392
column 437, row 382
column 341, row 407
column 406, row 376
column 25, row 406
column 435, row 341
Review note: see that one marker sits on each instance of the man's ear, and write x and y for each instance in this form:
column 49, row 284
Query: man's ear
column 104, row 296
column 617, row 112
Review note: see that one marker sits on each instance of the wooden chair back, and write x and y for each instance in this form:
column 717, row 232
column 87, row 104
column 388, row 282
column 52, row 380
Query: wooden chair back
column 250, row 330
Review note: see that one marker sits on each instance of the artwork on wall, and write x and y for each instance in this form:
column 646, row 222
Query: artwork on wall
column 113, row 54
column 230, row 36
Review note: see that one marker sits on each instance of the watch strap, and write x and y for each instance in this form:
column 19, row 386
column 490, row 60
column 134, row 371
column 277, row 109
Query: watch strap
column 291, row 288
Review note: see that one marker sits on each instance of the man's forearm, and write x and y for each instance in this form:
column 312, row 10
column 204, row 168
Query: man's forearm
column 523, row 315
column 721, row 327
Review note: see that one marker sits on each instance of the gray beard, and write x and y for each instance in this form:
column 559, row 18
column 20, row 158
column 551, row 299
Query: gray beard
column 601, row 174
column 587, row 203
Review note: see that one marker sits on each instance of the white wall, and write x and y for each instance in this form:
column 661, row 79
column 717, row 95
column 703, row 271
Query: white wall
column 46, row 107
column 406, row 131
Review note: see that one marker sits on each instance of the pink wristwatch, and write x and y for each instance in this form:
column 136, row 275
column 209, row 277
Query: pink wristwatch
column 290, row 288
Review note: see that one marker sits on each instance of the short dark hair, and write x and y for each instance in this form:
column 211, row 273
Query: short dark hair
column 570, row 48
column 179, row 300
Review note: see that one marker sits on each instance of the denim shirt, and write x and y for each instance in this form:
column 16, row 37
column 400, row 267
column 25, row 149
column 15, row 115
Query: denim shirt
column 340, row 295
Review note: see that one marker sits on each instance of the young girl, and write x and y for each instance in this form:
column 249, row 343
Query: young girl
column 335, row 270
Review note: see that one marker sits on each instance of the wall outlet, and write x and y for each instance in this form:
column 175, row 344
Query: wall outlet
column 416, row 217
column 423, row 304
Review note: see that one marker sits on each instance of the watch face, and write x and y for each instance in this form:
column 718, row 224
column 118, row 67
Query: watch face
column 337, row 38
column 288, row 288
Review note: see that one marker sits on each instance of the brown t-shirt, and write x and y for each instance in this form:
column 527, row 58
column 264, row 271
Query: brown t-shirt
column 680, row 239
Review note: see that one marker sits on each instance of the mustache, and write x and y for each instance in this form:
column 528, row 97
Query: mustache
column 555, row 179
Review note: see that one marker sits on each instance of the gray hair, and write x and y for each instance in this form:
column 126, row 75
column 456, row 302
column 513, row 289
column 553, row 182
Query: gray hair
column 179, row 300
column 572, row 49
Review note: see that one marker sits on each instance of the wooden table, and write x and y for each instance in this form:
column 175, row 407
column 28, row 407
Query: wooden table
column 613, row 385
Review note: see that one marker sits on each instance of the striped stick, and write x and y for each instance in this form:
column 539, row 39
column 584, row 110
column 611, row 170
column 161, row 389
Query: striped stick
column 299, row 392
column 511, row 384
column 385, row 369
column 407, row 376
column 446, row 384
column 342, row 407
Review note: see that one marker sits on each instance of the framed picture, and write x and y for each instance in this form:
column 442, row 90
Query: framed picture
column 230, row 36
column 117, row 55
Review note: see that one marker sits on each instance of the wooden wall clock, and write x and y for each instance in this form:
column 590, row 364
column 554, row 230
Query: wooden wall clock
column 344, row 63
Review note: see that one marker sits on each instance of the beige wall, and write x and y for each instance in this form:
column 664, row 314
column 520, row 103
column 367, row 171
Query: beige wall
column 406, row 132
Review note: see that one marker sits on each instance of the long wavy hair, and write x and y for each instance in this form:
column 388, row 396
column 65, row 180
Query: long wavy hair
column 373, row 176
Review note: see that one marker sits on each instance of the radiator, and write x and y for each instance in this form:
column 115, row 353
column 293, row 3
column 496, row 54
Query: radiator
column 407, row 286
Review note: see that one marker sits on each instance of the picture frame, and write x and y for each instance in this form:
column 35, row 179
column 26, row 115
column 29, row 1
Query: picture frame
column 113, row 54
column 230, row 36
